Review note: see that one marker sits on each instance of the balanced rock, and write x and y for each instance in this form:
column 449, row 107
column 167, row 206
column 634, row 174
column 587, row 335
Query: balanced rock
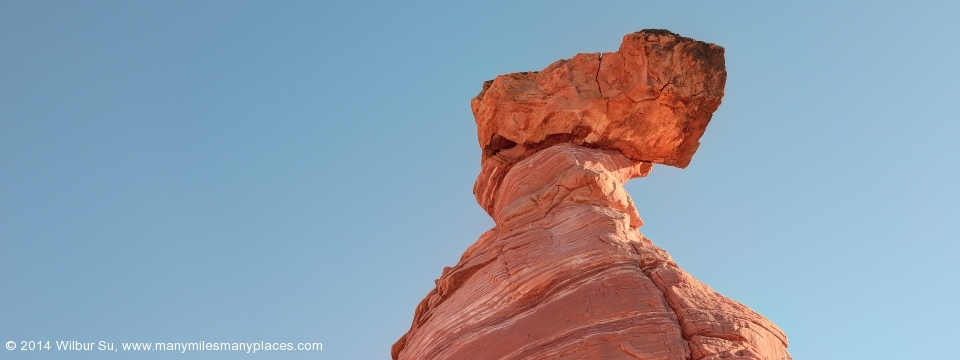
column 565, row 273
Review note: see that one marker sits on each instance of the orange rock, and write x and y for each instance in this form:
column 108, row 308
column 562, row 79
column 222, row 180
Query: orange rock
column 651, row 100
column 565, row 273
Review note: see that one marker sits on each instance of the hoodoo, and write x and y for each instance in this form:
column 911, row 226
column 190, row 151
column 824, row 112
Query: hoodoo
column 565, row 273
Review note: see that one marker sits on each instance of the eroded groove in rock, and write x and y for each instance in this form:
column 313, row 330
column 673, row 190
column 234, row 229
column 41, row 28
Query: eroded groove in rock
column 565, row 273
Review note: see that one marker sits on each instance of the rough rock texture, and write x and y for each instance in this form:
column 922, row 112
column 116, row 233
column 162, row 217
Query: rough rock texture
column 565, row 273
column 651, row 100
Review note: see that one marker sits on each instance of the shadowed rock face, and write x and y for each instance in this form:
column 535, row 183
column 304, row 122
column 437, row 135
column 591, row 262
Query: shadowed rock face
column 565, row 273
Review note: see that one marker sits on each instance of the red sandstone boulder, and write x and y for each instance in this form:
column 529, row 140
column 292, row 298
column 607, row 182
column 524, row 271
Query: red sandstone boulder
column 651, row 100
column 565, row 273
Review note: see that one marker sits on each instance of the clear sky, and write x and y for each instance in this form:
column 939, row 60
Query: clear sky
column 178, row 171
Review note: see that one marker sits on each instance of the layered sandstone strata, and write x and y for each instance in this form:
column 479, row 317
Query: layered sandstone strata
column 565, row 273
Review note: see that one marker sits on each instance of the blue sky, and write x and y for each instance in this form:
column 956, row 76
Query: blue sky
column 243, row 171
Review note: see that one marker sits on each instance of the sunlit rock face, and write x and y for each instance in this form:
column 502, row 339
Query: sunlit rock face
column 565, row 273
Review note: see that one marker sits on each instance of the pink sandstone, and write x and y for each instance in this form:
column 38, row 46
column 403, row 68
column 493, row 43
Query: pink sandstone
column 565, row 273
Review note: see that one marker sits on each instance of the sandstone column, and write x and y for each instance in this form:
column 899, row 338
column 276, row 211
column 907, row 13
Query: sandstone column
column 565, row 273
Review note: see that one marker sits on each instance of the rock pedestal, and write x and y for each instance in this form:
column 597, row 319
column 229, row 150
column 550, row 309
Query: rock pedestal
column 565, row 273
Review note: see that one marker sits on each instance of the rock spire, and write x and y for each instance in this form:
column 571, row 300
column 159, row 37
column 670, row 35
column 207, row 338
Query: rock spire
column 565, row 273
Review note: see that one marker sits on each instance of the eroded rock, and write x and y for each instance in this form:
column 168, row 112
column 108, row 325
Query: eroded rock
column 651, row 100
column 565, row 273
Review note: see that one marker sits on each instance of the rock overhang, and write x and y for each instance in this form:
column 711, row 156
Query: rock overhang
column 651, row 100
